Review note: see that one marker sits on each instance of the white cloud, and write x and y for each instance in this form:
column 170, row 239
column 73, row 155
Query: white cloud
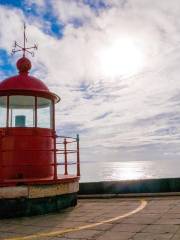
column 11, row 24
column 69, row 10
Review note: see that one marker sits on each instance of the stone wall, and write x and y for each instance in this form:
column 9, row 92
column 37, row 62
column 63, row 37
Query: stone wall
column 131, row 186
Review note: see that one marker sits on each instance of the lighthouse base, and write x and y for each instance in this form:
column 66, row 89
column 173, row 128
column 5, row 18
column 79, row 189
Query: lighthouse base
column 32, row 200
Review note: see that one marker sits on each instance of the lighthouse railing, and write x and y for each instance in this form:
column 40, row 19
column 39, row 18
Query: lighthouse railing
column 64, row 148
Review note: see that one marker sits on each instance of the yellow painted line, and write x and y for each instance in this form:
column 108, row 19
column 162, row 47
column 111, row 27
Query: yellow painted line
column 68, row 230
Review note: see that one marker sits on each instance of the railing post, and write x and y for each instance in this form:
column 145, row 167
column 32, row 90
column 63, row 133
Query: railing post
column 55, row 158
column 7, row 113
column 78, row 156
column 65, row 157
column 1, row 169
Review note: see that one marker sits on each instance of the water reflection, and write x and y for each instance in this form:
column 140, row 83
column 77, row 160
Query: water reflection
column 107, row 171
column 123, row 170
column 127, row 171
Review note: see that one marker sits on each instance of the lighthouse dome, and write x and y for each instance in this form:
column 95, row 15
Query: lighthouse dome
column 24, row 82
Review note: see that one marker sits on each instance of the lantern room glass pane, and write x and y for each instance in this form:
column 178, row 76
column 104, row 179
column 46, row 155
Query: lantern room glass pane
column 44, row 113
column 21, row 111
column 3, row 111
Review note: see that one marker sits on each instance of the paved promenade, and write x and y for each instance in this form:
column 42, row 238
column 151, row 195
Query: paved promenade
column 102, row 219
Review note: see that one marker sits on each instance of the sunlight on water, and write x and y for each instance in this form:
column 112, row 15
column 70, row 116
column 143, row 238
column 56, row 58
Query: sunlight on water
column 106, row 171
column 126, row 171
column 123, row 170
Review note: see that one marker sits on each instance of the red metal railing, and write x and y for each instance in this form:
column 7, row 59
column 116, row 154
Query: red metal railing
column 65, row 151
column 62, row 147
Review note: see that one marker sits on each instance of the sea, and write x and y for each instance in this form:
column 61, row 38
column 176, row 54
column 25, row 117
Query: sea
column 128, row 170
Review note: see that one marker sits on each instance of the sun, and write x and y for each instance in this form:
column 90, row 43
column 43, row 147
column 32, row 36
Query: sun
column 121, row 58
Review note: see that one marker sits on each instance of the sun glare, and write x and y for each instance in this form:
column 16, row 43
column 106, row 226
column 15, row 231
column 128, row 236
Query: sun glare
column 121, row 58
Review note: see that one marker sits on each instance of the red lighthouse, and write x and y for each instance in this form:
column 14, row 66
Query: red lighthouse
column 27, row 126
column 28, row 140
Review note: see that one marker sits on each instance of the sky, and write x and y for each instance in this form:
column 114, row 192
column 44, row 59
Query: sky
column 114, row 63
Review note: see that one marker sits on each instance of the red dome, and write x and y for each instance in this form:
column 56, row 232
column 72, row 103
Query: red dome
column 24, row 82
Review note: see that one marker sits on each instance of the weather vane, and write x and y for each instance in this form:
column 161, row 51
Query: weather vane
column 24, row 49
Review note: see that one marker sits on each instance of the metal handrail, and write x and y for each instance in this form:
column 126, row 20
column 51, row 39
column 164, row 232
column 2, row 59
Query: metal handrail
column 67, row 151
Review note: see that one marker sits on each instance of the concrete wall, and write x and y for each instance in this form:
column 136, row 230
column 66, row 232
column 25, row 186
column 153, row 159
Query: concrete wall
column 39, row 191
column 131, row 186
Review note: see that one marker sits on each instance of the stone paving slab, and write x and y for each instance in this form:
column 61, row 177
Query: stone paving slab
column 101, row 219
